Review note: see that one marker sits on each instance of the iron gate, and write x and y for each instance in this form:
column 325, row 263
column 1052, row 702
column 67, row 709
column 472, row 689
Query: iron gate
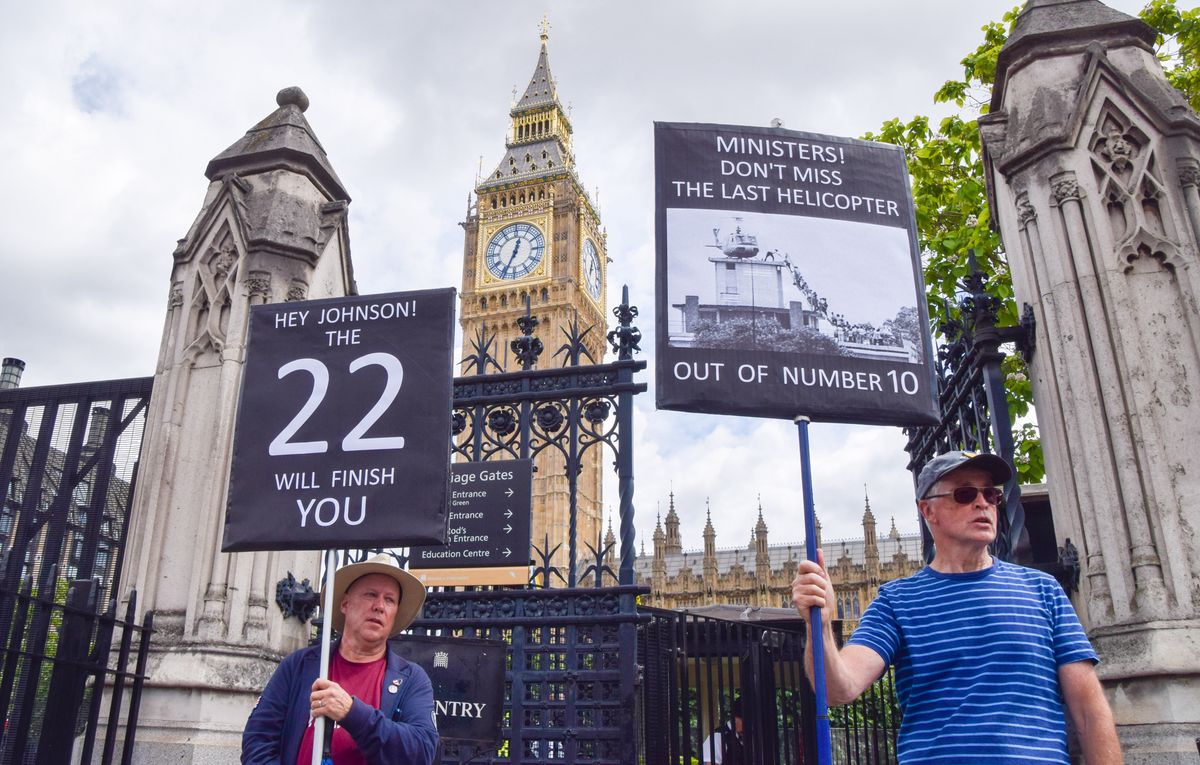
column 570, row 680
column 565, row 413
column 68, row 465
column 570, row 683
column 590, row 676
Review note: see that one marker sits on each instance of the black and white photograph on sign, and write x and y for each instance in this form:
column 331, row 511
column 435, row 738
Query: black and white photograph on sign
column 789, row 283
column 343, row 430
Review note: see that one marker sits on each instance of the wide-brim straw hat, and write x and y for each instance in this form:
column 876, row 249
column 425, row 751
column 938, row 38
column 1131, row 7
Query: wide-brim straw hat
column 412, row 592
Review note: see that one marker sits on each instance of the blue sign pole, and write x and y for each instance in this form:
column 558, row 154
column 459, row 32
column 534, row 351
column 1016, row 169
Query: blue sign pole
column 824, row 750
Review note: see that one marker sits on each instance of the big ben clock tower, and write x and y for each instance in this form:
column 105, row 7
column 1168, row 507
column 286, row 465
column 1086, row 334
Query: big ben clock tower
column 534, row 233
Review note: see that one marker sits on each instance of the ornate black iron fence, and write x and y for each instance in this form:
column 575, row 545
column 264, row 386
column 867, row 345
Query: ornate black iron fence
column 571, row 675
column 566, row 412
column 972, row 398
column 68, row 465
column 570, row 681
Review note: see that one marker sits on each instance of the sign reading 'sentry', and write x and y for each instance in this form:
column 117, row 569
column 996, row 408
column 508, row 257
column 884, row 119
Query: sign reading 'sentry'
column 788, row 277
column 468, row 683
column 343, row 430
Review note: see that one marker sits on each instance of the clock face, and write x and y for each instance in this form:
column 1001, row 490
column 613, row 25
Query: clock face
column 591, row 269
column 515, row 251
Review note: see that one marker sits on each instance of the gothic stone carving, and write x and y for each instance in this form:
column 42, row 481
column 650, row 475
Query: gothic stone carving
column 1025, row 211
column 298, row 291
column 1065, row 189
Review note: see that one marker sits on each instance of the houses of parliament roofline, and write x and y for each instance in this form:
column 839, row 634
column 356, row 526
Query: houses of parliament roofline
column 760, row 573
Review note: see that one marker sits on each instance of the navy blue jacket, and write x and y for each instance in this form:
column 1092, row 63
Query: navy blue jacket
column 403, row 732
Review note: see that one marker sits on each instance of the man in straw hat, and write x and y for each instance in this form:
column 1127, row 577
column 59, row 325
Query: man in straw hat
column 380, row 704
column 985, row 651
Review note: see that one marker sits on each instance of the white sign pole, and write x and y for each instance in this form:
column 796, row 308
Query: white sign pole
column 318, row 749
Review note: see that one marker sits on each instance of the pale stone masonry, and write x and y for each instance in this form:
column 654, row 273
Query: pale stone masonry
column 1093, row 165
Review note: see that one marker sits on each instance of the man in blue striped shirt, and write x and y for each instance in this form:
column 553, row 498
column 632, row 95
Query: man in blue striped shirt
column 986, row 652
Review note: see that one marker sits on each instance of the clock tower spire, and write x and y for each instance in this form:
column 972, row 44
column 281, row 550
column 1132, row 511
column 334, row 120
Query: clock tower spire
column 534, row 231
column 534, row 235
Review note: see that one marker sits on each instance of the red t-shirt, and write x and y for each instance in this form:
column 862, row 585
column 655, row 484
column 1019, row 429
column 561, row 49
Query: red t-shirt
column 364, row 681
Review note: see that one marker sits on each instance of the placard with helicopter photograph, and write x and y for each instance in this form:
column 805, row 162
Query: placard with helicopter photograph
column 788, row 278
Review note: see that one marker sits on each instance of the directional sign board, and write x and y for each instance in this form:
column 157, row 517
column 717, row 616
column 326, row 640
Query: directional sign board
column 343, row 430
column 488, row 538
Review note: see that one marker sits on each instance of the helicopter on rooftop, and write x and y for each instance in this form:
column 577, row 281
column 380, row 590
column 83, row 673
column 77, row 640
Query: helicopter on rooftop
column 738, row 244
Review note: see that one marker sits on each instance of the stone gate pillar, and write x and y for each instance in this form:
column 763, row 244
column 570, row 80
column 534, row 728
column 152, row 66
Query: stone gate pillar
column 1093, row 163
column 272, row 228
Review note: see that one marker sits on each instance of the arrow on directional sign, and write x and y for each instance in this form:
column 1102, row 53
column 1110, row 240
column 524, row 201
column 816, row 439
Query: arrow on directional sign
column 508, row 493
column 507, row 528
column 507, row 552
column 508, row 513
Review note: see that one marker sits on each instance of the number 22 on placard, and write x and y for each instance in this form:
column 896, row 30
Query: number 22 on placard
column 354, row 441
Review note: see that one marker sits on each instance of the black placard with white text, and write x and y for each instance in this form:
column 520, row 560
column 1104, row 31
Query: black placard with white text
column 343, row 429
column 788, row 278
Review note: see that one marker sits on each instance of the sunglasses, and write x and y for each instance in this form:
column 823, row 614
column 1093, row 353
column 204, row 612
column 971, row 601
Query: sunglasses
column 965, row 495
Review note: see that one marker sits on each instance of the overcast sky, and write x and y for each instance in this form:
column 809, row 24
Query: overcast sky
column 112, row 110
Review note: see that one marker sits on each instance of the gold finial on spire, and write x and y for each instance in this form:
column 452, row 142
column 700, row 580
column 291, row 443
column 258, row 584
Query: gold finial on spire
column 544, row 28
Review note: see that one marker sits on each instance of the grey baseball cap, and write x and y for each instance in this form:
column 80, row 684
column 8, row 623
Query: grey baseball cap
column 944, row 464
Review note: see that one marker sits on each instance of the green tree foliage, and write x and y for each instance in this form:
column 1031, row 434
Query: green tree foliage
column 1178, row 45
column 946, row 165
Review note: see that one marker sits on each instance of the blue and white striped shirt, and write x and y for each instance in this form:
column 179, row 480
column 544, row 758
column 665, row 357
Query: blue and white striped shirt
column 977, row 658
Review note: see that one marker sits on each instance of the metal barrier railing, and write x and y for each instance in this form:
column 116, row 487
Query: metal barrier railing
column 742, row 680
column 865, row 730
column 60, row 670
